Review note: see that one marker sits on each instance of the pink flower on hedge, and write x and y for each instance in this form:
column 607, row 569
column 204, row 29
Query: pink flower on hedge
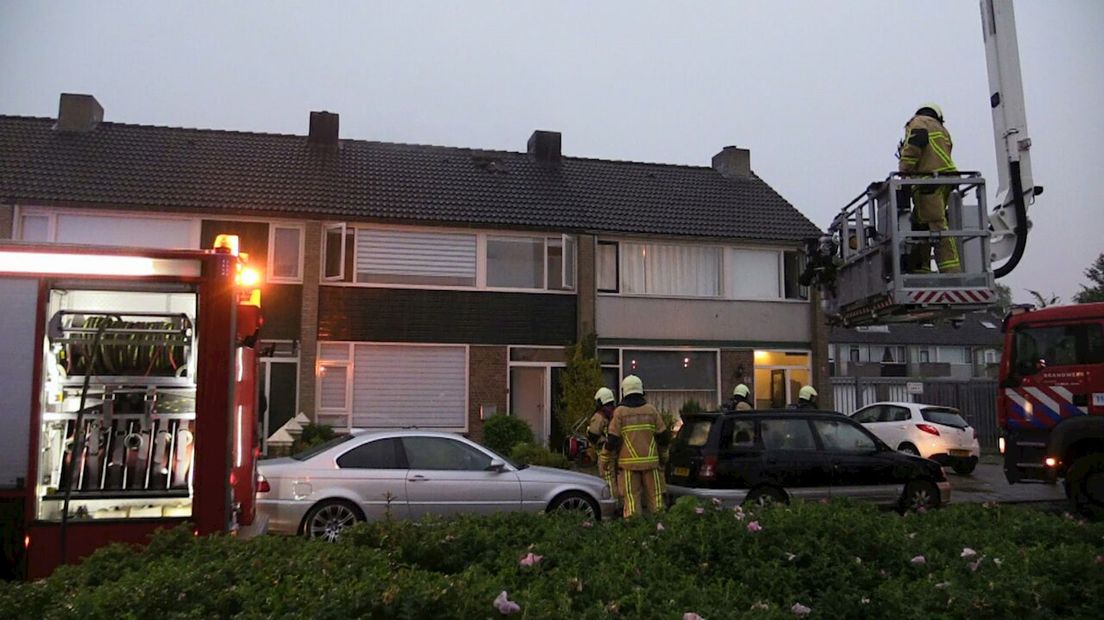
column 717, row 502
column 942, row 585
column 918, row 561
column 800, row 610
column 790, row 557
column 699, row 510
column 998, row 561
column 973, row 566
column 691, row 616
column 967, row 553
column 754, row 527
column 587, row 524
column 659, row 527
column 504, row 605
column 531, row 559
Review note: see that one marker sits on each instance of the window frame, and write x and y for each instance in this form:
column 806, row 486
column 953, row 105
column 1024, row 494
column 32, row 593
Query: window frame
column 616, row 267
column 828, row 448
column 340, row 228
column 396, row 447
column 270, row 267
column 51, row 213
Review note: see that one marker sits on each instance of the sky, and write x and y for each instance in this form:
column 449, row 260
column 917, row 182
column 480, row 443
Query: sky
column 818, row 91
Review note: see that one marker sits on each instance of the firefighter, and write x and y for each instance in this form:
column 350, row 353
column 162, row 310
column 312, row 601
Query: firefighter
column 806, row 398
column 741, row 399
column 604, row 404
column 636, row 435
column 926, row 150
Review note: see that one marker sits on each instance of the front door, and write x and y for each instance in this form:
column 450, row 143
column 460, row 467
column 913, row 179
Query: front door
column 529, row 397
column 278, row 385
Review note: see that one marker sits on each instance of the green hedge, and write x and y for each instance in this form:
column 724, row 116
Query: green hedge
column 840, row 560
column 532, row 454
column 502, row 432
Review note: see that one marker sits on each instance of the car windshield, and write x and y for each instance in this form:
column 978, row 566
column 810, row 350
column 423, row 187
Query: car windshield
column 944, row 416
column 695, row 431
column 319, row 449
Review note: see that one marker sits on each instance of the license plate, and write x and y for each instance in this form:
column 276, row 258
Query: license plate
column 682, row 471
column 960, row 452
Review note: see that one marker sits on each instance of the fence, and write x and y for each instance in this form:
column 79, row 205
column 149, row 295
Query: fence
column 975, row 399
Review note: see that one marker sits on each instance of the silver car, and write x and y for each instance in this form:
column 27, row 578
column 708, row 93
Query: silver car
column 410, row 474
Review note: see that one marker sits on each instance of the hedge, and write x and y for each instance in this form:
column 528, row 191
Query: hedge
column 833, row 561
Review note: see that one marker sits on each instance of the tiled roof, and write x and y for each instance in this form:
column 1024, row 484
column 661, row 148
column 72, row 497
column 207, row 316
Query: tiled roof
column 167, row 169
column 975, row 331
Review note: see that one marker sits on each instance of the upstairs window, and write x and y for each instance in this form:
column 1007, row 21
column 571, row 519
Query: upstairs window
column 408, row 257
column 674, row 270
column 285, row 253
column 608, row 268
column 531, row 262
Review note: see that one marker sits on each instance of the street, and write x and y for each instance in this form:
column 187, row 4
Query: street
column 987, row 484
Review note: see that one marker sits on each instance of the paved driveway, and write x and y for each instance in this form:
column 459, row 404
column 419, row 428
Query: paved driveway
column 987, row 484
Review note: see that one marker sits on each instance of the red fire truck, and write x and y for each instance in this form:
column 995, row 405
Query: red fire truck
column 1051, row 402
column 128, row 378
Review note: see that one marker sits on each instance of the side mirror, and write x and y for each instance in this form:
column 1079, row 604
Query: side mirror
column 497, row 466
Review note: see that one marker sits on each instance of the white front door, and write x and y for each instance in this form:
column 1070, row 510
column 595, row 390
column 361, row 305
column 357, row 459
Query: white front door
column 529, row 398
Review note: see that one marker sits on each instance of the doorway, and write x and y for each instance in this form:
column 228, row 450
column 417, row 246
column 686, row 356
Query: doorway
column 278, row 386
column 529, row 400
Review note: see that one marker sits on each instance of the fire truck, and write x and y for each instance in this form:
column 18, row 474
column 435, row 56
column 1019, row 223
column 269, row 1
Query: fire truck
column 1051, row 403
column 129, row 390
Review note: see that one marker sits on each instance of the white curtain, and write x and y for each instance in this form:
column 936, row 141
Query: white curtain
column 685, row 270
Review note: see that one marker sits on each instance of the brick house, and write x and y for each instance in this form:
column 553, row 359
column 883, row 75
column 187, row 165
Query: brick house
column 435, row 286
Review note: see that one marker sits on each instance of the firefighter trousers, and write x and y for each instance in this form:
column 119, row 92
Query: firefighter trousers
column 643, row 490
column 607, row 470
column 930, row 214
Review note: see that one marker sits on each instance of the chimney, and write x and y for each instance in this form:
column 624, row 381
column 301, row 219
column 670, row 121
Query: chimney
column 323, row 129
column 544, row 147
column 733, row 163
column 78, row 113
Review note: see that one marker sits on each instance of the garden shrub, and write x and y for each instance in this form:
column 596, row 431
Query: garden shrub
column 312, row 435
column 841, row 560
column 532, row 454
column 502, row 432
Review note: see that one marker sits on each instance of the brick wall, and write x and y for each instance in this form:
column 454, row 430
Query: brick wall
column 308, row 338
column 822, row 372
column 731, row 362
column 586, row 286
column 487, row 384
column 7, row 221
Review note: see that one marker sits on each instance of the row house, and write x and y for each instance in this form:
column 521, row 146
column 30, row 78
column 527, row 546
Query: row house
column 429, row 286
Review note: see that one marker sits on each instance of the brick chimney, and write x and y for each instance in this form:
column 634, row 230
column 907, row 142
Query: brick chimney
column 78, row 113
column 733, row 163
column 323, row 129
column 544, row 147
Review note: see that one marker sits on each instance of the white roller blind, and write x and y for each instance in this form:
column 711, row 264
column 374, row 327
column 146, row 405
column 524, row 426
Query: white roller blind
column 753, row 274
column 146, row 232
column 332, row 386
column 396, row 386
column 415, row 257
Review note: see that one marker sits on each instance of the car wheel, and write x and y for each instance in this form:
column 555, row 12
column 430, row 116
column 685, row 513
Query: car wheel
column 920, row 495
column 965, row 469
column 580, row 502
column 766, row 496
column 908, row 448
column 327, row 519
column 1086, row 485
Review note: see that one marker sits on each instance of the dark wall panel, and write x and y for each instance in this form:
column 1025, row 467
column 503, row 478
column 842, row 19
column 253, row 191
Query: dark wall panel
column 282, row 307
column 471, row 317
column 252, row 237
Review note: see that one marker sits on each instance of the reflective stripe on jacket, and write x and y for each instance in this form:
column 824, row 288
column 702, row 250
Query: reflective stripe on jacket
column 637, row 427
column 935, row 153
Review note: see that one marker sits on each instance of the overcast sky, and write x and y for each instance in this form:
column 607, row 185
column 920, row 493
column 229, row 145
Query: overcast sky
column 819, row 91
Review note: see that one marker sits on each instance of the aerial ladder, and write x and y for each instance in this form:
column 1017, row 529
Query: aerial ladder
column 859, row 265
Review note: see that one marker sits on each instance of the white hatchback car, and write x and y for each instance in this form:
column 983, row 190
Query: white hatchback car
column 931, row 431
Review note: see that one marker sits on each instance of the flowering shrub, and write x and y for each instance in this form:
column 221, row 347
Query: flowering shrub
column 806, row 560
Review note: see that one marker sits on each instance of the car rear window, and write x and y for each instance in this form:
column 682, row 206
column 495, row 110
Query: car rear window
column 319, row 449
column 946, row 417
column 695, row 431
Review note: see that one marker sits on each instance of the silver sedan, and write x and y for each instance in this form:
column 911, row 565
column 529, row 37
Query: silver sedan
column 409, row 474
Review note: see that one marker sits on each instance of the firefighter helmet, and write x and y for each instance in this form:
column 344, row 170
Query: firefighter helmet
column 741, row 390
column 807, row 393
column 631, row 385
column 934, row 107
column 604, row 395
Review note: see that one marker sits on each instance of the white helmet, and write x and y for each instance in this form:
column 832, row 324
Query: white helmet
column 631, row 385
column 741, row 390
column 604, row 395
column 807, row 393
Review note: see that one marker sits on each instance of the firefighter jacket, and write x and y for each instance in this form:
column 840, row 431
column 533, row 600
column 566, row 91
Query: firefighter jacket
column 599, row 423
column 638, row 429
column 926, row 147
